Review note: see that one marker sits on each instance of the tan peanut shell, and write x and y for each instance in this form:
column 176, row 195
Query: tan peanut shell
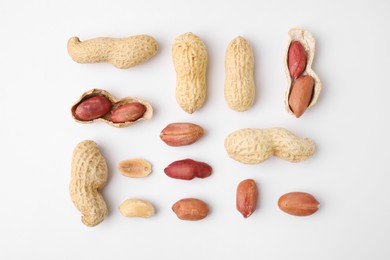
column 122, row 53
column 239, row 80
column 189, row 56
column 135, row 168
column 89, row 175
column 137, row 208
column 115, row 104
column 252, row 145
column 308, row 42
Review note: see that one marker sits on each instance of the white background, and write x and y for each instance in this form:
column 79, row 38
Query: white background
column 349, row 174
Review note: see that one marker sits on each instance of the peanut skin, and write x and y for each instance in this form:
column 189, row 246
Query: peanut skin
column 92, row 108
column 246, row 197
column 128, row 112
column 180, row 134
column 190, row 209
column 251, row 145
column 122, row 53
column 239, row 81
column 190, row 61
column 296, row 59
column 301, row 94
column 298, row 203
column 89, row 175
column 188, row 169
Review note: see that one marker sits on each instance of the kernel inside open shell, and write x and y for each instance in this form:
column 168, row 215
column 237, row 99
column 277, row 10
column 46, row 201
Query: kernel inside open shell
column 115, row 104
column 308, row 42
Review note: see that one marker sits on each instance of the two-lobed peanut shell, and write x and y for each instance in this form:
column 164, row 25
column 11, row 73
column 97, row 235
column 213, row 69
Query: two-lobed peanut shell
column 239, row 78
column 88, row 177
column 255, row 145
column 189, row 57
column 123, row 53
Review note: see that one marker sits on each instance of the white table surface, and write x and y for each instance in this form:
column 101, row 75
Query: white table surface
column 349, row 173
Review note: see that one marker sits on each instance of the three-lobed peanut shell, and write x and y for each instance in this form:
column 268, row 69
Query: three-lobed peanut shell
column 189, row 57
column 123, row 53
column 239, row 79
column 255, row 145
column 181, row 133
column 124, row 114
column 246, row 197
column 188, row 169
column 307, row 41
column 137, row 208
column 89, row 175
column 190, row 209
column 135, row 168
column 298, row 203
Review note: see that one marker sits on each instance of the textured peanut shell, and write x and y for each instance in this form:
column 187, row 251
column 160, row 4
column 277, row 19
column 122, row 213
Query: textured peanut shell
column 135, row 168
column 137, row 208
column 89, row 175
column 252, row 145
column 115, row 104
column 309, row 44
column 122, row 53
column 239, row 80
column 189, row 57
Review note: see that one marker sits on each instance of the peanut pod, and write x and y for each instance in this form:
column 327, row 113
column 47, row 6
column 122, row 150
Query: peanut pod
column 122, row 53
column 190, row 61
column 251, row 145
column 89, row 175
column 239, row 80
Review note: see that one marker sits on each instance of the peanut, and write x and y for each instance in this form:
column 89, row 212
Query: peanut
column 137, row 208
column 135, row 168
column 296, row 59
column 298, row 203
column 298, row 63
column 128, row 112
column 239, row 81
column 251, row 145
column 122, row 53
column 190, row 209
column 89, row 175
column 118, row 113
column 246, row 197
column 179, row 134
column 301, row 94
column 188, row 169
column 92, row 108
column 190, row 61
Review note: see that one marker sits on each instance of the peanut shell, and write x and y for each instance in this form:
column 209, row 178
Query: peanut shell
column 189, row 56
column 89, row 175
column 239, row 81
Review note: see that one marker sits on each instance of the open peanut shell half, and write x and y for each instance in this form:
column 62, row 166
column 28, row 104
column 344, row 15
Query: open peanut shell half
column 107, row 116
column 308, row 42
